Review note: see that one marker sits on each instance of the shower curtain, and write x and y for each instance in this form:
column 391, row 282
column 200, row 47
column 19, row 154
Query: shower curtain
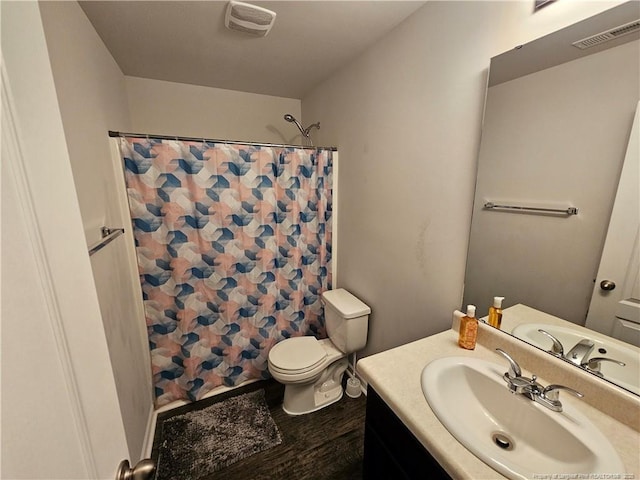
column 234, row 249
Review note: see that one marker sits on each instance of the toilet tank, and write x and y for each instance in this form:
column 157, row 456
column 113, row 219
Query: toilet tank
column 346, row 319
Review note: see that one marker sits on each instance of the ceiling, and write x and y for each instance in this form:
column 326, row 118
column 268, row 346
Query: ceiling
column 187, row 42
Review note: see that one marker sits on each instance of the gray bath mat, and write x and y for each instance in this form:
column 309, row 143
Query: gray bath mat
column 201, row 442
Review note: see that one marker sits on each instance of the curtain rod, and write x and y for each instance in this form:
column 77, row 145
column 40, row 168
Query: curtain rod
column 211, row 140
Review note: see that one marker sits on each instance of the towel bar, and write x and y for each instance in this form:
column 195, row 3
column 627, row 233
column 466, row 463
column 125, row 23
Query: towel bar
column 568, row 210
column 108, row 236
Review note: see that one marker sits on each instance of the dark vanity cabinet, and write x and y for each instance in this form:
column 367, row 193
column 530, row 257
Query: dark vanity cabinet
column 390, row 449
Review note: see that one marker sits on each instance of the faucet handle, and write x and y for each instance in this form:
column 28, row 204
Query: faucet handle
column 514, row 368
column 552, row 392
column 549, row 396
column 593, row 364
column 557, row 349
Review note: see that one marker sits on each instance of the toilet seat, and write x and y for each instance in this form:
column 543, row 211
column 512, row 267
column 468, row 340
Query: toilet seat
column 297, row 355
column 311, row 355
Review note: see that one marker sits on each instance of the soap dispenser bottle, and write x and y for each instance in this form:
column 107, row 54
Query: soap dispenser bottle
column 468, row 333
column 495, row 313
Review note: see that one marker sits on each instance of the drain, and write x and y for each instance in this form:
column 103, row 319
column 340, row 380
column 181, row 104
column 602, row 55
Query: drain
column 502, row 440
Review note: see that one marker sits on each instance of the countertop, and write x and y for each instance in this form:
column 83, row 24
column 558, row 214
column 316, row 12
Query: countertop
column 395, row 375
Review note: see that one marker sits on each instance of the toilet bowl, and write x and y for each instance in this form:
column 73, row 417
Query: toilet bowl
column 312, row 369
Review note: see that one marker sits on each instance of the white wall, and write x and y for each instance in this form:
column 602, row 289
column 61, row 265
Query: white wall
column 168, row 108
column 91, row 93
column 551, row 139
column 406, row 116
column 92, row 99
column 60, row 414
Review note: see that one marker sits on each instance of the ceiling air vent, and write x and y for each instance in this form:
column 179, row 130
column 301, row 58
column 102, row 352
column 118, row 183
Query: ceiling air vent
column 615, row 32
column 248, row 18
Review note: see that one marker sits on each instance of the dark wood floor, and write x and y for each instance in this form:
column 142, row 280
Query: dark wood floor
column 323, row 445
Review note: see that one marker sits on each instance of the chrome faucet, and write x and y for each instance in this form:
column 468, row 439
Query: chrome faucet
column 547, row 396
column 579, row 354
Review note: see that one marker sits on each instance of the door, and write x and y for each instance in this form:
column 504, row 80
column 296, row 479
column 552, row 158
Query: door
column 615, row 304
column 60, row 411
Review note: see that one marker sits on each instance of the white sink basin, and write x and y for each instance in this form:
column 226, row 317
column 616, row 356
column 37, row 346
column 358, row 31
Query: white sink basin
column 627, row 377
column 514, row 435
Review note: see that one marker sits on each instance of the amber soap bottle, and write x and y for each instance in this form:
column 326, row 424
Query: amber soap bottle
column 495, row 312
column 468, row 333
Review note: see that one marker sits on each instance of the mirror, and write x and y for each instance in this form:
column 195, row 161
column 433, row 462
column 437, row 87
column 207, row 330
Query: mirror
column 557, row 125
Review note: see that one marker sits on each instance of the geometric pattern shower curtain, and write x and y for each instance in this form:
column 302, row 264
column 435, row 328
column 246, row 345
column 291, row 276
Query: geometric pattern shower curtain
column 234, row 249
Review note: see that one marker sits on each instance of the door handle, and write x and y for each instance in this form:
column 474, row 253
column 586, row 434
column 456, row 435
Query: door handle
column 607, row 285
column 143, row 470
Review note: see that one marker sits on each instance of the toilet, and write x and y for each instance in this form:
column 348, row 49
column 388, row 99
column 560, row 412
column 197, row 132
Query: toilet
column 310, row 369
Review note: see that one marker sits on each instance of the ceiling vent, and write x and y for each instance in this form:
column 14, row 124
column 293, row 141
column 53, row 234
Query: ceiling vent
column 611, row 34
column 248, row 18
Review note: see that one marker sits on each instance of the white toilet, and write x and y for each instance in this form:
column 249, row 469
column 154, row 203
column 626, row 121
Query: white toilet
column 312, row 369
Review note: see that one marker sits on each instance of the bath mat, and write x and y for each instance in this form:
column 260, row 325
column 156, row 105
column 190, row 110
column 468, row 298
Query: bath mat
column 202, row 442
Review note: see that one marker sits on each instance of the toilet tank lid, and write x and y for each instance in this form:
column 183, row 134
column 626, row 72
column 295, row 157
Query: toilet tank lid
column 345, row 303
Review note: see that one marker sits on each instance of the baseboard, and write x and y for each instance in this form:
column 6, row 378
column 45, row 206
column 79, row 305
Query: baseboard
column 147, row 445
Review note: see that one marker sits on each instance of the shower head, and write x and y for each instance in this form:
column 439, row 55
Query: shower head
column 291, row 119
column 304, row 131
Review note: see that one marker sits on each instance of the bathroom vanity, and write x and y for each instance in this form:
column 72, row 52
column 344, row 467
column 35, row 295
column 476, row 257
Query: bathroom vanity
column 391, row 450
column 405, row 439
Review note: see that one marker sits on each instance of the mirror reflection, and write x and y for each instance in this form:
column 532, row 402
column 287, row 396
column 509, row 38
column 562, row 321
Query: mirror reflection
column 557, row 135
